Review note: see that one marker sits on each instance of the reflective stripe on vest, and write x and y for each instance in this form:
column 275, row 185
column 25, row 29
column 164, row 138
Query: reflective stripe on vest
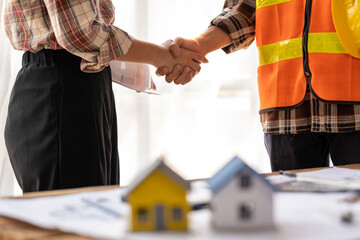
column 335, row 75
column 265, row 3
column 292, row 48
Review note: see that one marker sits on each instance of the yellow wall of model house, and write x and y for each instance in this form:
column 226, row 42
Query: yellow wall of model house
column 158, row 188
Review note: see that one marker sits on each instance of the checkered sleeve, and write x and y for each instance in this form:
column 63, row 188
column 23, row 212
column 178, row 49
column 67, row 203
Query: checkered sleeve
column 237, row 20
column 84, row 28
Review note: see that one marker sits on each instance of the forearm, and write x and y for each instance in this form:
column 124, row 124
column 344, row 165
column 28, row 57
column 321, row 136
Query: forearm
column 212, row 39
column 159, row 56
column 146, row 52
column 238, row 21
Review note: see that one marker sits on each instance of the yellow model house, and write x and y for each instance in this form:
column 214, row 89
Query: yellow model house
column 158, row 199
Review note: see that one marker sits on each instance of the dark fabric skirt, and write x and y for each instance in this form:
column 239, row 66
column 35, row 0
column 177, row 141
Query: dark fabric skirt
column 61, row 127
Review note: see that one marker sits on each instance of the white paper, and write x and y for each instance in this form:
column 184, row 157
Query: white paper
column 334, row 173
column 325, row 180
column 135, row 76
column 70, row 213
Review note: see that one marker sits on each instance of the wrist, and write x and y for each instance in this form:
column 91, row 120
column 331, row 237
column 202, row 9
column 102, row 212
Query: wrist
column 161, row 58
column 201, row 42
column 212, row 39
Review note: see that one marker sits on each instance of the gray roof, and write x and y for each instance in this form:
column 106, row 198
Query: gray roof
column 231, row 170
column 158, row 164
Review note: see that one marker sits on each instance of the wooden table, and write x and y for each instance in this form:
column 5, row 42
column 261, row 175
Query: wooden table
column 11, row 229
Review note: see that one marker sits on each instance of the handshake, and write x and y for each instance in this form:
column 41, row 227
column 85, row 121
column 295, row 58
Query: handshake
column 184, row 62
column 178, row 60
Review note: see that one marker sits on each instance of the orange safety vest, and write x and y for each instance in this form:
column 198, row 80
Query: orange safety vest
column 298, row 45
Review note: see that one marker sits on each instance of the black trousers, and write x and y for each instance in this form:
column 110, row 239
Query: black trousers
column 61, row 127
column 310, row 150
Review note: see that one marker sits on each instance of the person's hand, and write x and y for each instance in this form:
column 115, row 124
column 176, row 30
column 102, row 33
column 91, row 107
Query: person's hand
column 181, row 75
column 165, row 70
column 185, row 62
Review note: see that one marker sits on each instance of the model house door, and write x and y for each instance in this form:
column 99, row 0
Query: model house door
column 160, row 217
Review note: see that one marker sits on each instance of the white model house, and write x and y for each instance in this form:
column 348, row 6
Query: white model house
column 242, row 198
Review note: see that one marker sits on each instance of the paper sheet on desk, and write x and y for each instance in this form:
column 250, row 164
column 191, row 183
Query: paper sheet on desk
column 135, row 76
column 315, row 183
column 70, row 213
column 335, row 173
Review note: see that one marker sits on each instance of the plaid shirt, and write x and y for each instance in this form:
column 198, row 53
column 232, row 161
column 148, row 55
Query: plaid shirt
column 82, row 27
column 313, row 115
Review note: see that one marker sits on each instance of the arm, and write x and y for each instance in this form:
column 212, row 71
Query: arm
column 212, row 39
column 84, row 28
column 159, row 56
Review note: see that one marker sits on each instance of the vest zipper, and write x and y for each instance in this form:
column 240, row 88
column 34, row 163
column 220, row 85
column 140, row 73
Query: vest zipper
column 306, row 68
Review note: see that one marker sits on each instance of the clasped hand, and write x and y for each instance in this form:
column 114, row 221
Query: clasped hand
column 187, row 56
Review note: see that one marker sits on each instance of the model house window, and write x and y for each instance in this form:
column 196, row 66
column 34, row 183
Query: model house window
column 245, row 180
column 177, row 214
column 142, row 215
column 246, row 211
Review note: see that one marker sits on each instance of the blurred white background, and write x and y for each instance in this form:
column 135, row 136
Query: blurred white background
column 197, row 127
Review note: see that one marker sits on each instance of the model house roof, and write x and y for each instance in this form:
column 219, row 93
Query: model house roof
column 157, row 165
column 229, row 171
